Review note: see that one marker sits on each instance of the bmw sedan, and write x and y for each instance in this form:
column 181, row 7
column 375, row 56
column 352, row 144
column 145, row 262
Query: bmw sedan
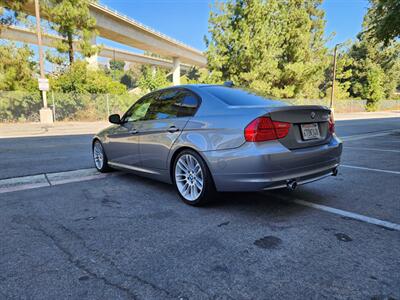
column 205, row 139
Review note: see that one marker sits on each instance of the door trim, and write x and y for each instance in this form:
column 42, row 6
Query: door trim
column 133, row 168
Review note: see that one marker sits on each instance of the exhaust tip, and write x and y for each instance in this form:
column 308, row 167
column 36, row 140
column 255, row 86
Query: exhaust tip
column 291, row 184
column 335, row 171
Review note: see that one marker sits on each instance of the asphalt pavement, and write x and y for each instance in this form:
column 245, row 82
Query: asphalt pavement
column 126, row 237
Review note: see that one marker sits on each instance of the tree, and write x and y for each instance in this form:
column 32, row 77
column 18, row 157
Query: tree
column 117, row 65
column 384, row 20
column 17, row 71
column 150, row 80
column 10, row 11
column 275, row 47
column 376, row 67
column 344, row 74
column 17, row 68
column 79, row 79
column 72, row 20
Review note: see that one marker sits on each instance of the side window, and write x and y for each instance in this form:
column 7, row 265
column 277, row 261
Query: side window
column 189, row 104
column 139, row 109
column 165, row 107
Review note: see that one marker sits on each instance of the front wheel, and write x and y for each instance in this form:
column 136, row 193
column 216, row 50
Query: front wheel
column 192, row 179
column 100, row 158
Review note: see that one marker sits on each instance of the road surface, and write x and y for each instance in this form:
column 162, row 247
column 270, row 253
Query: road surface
column 125, row 237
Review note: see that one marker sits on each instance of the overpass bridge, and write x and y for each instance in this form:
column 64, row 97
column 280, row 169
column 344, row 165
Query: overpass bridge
column 122, row 29
column 29, row 37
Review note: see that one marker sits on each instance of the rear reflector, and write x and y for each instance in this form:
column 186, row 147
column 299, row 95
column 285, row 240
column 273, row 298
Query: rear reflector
column 264, row 129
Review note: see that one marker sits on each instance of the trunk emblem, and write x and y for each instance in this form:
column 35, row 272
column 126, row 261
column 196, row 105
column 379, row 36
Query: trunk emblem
column 312, row 115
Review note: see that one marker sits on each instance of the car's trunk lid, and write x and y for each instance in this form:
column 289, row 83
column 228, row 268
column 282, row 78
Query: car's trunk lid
column 307, row 121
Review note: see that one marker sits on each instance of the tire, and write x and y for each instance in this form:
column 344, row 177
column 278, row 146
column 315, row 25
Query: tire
column 192, row 179
column 100, row 158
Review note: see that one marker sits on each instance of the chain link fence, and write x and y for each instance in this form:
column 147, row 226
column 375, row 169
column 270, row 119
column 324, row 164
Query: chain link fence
column 25, row 106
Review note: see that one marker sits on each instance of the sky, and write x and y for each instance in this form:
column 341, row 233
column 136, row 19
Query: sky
column 187, row 20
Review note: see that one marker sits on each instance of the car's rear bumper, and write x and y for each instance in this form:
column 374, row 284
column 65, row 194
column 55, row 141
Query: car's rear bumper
column 270, row 165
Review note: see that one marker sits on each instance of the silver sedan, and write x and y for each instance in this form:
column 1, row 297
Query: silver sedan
column 206, row 139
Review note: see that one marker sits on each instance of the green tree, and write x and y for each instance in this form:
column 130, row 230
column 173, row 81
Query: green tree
column 17, row 68
column 150, row 80
column 128, row 80
column 117, row 65
column 72, row 20
column 80, row 79
column 376, row 68
column 20, row 100
column 384, row 20
column 10, row 11
column 344, row 74
column 275, row 47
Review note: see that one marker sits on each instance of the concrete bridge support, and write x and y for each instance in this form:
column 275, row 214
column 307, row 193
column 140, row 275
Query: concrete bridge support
column 92, row 60
column 176, row 71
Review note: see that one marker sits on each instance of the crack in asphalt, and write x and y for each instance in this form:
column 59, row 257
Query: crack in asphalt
column 61, row 234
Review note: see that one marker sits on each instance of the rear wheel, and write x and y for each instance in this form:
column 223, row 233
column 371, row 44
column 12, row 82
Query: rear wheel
column 100, row 158
column 192, row 178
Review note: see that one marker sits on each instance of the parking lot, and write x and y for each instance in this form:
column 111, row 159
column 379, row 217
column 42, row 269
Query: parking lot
column 80, row 235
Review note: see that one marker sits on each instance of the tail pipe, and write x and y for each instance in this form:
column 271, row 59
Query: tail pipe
column 335, row 171
column 291, row 184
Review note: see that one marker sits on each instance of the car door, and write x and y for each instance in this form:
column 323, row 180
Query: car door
column 123, row 142
column 164, row 122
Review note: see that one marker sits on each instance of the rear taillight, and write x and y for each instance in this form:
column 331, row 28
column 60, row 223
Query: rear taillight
column 331, row 124
column 264, row 129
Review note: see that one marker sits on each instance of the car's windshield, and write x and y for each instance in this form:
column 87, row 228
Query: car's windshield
column 240, row 97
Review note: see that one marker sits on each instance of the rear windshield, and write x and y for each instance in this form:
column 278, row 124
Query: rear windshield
column 239, row 97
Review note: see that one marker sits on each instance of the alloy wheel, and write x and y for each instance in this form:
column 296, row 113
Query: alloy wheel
column 98, row 155
column 189, row 177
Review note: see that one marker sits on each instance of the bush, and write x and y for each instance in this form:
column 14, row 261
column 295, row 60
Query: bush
column 79, row 79
column 20, row 106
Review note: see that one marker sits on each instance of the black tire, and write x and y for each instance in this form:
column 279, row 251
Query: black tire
column 104, row 168
column 208, row 192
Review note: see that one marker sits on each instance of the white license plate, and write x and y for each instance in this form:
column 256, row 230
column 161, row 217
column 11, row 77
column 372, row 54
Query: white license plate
column 310, row 131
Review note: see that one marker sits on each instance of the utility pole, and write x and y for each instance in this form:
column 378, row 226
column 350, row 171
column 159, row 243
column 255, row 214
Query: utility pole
column 334, row 75
column 46, row 115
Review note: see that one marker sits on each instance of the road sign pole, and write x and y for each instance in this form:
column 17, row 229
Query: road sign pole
column 46, row 115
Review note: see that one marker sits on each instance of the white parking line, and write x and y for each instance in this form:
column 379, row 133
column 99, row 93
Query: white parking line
column 371, row 169
column 348, row 214
column 367, row 135
column 373, row 149
column 48, row 179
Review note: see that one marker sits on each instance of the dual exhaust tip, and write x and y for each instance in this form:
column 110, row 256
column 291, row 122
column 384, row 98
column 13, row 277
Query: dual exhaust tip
column 292, row 183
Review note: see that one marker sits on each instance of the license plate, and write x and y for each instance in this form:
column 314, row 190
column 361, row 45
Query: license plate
column 310, row 131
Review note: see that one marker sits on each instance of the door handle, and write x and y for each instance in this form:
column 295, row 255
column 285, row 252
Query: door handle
column 133, row 131
column 173, row 129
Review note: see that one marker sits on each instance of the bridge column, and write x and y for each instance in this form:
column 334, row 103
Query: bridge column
column 92, row 60
column 127, row 66
column 176, row 71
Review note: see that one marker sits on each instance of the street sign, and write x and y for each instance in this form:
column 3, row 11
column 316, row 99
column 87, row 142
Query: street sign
column 43, row 84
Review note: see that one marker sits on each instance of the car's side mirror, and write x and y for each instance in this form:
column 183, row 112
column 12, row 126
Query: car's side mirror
column 114, row 119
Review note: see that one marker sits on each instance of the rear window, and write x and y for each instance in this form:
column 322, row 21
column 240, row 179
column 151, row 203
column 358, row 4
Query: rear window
column 238, row 97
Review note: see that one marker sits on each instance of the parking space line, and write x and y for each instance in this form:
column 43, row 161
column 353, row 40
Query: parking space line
column 371, row 169
column 367, row 135
column 372, row 149
column 348, row 214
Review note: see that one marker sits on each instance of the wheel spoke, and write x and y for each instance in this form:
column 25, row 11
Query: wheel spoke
column 183, row 166
column 199, row 184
